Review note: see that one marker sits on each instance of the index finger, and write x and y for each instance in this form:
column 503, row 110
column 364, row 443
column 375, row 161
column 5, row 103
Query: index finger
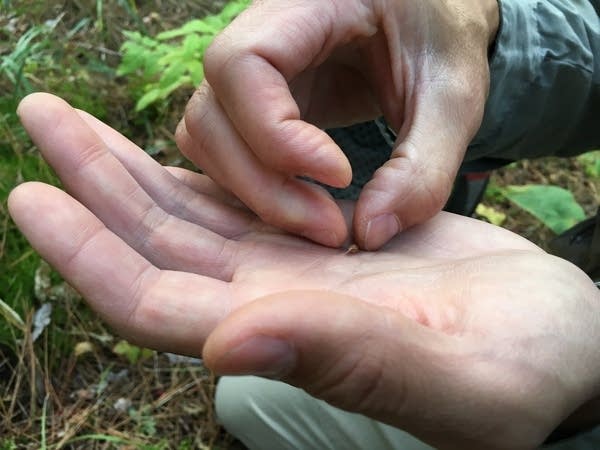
column 249, row 67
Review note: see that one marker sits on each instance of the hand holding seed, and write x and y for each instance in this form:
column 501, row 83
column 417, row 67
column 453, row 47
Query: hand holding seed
column 276, row 77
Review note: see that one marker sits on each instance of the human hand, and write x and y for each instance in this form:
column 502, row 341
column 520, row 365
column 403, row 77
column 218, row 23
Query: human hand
column 457, row 331
column 283, row 69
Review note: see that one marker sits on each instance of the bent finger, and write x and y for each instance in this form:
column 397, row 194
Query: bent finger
column 416, row 182
column 278, row 199
column 251, row 80
column 173, row 195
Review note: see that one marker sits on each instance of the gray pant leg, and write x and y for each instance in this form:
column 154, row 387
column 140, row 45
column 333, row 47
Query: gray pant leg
column 270, row 415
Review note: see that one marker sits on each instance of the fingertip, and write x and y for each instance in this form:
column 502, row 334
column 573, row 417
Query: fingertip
column 258, row 355
column 32, row 102
column 15, row 200
column 22, row 194
column 40, row 113
column 316, row 217
column 182, row 137
column 328, row 238
column 328, row 165
column 28, row 201
column 404, row 192
column 378, row 214
column 298, row 148
column 28, row 100
column 342, row 173
column 202, row 100
column 180, row 129
column 266, row 336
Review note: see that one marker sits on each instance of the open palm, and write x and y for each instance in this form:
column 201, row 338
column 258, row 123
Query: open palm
column 166, row 257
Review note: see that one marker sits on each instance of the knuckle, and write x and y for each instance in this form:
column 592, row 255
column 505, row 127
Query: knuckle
column 365, row 377
column 198, row 107
column 221, row 52
column 425, row 190
column 270, row 210
column 266, row 212
column 90, row 155
column 196, row 135
column 435, row 187
column 213, row 58
column 181, row 135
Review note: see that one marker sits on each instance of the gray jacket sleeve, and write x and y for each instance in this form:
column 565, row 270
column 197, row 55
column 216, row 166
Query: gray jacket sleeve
column 545, row 81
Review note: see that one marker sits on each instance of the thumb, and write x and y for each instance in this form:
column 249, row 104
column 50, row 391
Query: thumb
column 374, row 360
column 416, row 182
column 352, row 354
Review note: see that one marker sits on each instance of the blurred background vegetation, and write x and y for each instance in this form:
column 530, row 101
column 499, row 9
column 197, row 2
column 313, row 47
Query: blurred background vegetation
column 65, row 380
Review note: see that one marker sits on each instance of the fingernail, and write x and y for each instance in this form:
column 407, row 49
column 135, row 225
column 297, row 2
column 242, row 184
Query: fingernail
column 324, row 237
column 260, row 355
column 380, row 230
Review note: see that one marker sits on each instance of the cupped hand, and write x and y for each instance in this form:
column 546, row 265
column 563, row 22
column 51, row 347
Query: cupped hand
column 462, row 333
column 285, row 69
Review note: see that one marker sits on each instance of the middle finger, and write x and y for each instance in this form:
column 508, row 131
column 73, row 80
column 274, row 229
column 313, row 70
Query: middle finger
column 279, row 199
column 97, row 179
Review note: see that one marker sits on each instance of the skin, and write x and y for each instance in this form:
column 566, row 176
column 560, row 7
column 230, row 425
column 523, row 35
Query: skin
column 284, row 70
column 457, row 331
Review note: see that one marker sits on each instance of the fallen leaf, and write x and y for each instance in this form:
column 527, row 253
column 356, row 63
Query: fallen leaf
column 11, row 316
column 554, row 206
column 492, row 215
column 132, row 352
column 181, row 359
column 41, row 319
column 83, row 347
column 42, row 282
column 122, row 404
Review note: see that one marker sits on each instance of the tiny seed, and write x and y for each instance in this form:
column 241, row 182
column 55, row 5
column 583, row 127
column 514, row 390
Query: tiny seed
column 352, row 250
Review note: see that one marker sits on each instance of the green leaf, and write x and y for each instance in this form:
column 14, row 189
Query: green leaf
column 196, row 72
column 159, row 67
column 171, row 76
column 132, row 35
column 194, row 45
column 193, row 26
column 492, row 215
column 166, row 90
column 134, row 58
column 591, row 163
column 132, row 352
column 555, row 207
column 232, row 9
column 177, row 56
column 216, row 23
column 146, row 99
column 152, row 66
